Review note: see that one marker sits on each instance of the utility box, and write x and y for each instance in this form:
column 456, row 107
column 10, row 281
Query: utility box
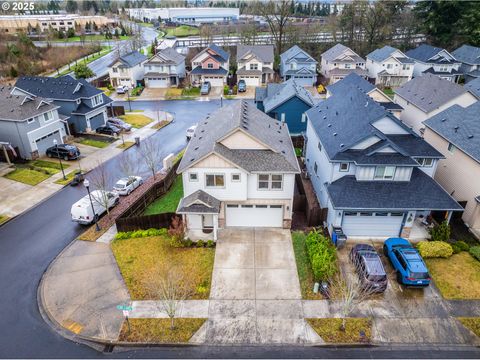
column 338, row 237
column 168, row 161
column 137, row 141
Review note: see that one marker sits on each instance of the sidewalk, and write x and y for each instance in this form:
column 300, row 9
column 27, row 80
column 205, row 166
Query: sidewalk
column 22, row 197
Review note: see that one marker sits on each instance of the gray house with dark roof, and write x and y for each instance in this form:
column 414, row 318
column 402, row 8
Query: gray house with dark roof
column 83, row 104
column 455, row 132
column 297, row 64
column 286, row 102
column 469, row 56
column 255, row 64
column 164, row 69
column 127, row 70
column 372, row 173
column 29, row 124
column 474, row 87
column 436, row 61
column 238, row 171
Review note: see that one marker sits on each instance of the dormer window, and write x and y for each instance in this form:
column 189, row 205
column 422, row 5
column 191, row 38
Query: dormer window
column 115, row 70
column 344, row 167
column 210, row 66
column 425, row 162
column 97, row 100
column 384, row 172
column 451, row 148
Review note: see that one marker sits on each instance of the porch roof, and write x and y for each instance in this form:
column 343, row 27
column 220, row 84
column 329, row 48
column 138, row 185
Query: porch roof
column 199, row 202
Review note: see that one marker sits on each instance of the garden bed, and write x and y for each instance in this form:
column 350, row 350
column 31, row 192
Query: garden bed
column 126, row 145
column 169, row 201
column 329, row 330
column 34, row 172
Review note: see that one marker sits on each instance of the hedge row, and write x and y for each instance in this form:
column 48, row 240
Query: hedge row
column 322, row 256
column 475, row 252
column 140, row 233
column 434, row 249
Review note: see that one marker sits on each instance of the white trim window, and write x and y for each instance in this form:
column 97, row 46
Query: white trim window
column 47, row 116
column 214, row 180
column 384, row 172
column 97, row 99
column 236, row 177
column 270, row 181
column 451, row 148
column 192, row 176
column 426, row 162
column 344, row 167
column 254, row 66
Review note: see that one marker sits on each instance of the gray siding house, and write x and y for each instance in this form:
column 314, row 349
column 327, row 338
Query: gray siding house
column 29, row 124
column 83, row 104
column 164, row 69
column 469, row 56
column 296, row 63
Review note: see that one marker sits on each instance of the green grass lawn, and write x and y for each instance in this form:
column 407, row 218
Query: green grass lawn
column 136, row 120
column 471, row 323
column 34, row 172
column 183, row 31
column 193, row 91
column 169, row 201
column 329, row 330
column 69, row 177
column 95, row 143
column 458, row 277
column 126, row 145
column 305, row 273
column 46, row 164
column 158, row 330
column 92, row 37
column 139, row 259
column 104, row 51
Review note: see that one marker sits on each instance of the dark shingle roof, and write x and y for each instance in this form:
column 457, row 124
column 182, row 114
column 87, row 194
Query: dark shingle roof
column 245, row 117
column 167, row 56
column 20, row 107
column 460, row 126
column 423, row 52
column 131, row 59
column 198, row 70
column 199, row 202
column 351, row 79
column 224, row 56
column 382, row 54
column 468, row 54
column 62, row 88
column 414, row 146
column 294, row 50
column 263, row 52
column 428, row 92
column 334, row 51
column 260, row 93
column 420, row 193
column 474, row 87
column 285, row 93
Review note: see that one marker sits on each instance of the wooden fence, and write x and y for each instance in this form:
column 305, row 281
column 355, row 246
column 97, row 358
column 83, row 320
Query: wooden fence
column 145, row 222
column 305, row 201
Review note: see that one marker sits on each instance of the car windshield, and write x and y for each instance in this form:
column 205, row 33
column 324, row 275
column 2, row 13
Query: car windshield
column 120, row 184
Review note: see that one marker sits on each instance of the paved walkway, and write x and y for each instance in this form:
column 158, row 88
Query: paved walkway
column 21, row 197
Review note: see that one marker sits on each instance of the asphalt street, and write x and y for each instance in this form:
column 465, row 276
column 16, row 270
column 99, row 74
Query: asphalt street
column 31, row 241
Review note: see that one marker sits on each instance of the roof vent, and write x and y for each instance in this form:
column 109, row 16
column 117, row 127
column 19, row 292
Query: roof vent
column 336, row 113
column 366, row 104
column 283, row 151
column 196, row 148
column 470, row 136
column 456, row 128
column 281, row 141
column 329, row 125
column 342, row 145
column 334, row 134
column 192, row 159
column 444, row 119
column 324, row 117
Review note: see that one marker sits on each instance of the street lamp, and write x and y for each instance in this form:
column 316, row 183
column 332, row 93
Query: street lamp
column 129, row 105
column 86, row 183
column 55, row 143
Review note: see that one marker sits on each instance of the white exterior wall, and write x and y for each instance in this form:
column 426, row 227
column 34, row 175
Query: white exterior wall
column 374, row 67
column 286, row 193
column 132, row 74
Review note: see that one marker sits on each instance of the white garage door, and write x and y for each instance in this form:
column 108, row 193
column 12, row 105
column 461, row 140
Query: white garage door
column 160, row 82
column 251, row 80
column 372, row 224
column 254, row 215
column 215, row 80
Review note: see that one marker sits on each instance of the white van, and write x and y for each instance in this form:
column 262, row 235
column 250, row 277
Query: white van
column 82, row 210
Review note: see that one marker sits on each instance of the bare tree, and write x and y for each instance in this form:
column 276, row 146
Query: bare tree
column 100, row 181
column 128, row 164
column 150, row 154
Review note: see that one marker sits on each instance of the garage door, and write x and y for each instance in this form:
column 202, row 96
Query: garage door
column 254, row 215
column 251, row 80
column 372, row 224
column 47, row 141
column 215, row 81
column 160, row 82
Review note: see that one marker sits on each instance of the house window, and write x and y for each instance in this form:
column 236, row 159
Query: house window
column 344, row 167
column 426, row 162
column 97, row 100
column 282, row 117
column 451, row 148
column 29, row 121
column 304, row 118
column 115, row 70
column 235, row 177
column 315, row 167
column 347, row 66
column 389, row 66
column 406, row 67
column 47, row 116
column 253, row 66
column 215, row 180
column 210, row 66
column 384, row 172
column 270, row 182
column 193, row 176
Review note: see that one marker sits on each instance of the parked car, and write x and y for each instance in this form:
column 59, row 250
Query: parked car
column 82, row 211
column 108, row 130
column 205, row 89
column 63, row 151
column 369, row 267
column 119, row 123
column 242, row 86
column 126, row 185
column 191, row 131
column 409, row 265
column 122, row 89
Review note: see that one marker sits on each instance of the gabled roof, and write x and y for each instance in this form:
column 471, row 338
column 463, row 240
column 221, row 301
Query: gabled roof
column 459, row 126
column 61, row 88
column 384, row 53
column 245, row 117
column 263, row 52
column 167, row 56
column 474, row 87
column 332, row 53
column 199, row 202
column 130, row 60
column 289, row 89
column 423, row 52
column 199, row 70
column 221, row 55
column 293, row 51
column 428, row 92
column 21, row 107
column 351, row 79
column 467, row 54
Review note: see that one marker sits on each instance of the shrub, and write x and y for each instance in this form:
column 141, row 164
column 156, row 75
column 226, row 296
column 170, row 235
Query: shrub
column 441, row 232
column 475, row 252
column 462, row 245
column 226, row 88
column 322, row 256
column 200, row 243
column 435, row 249
column 140, row 233
column 456, row 249
column 188, row 243
column 210, row 243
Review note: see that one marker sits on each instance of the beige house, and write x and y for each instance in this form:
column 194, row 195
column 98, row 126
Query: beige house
column 455, row 132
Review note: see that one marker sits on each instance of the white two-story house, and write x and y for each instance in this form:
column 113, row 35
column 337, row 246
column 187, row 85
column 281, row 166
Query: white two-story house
column 372, row 173
column 255, row 64
column 389, row 67
column 297, row 64
column 211, row 64
column 164, row 69
column 127, row 70
column 433, row 60
column 339, row 61
column 238, row 171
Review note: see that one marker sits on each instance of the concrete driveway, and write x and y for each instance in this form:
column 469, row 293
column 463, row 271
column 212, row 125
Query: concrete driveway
column 255, row 295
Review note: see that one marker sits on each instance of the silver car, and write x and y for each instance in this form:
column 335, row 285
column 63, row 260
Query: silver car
column 126, row 185
column 119, row 123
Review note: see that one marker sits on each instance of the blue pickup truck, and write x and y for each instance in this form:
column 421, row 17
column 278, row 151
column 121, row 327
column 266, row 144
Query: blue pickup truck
column 409, row 265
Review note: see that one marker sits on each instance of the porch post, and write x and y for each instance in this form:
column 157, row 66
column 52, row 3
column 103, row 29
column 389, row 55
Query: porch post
column 449, row 216
column 215, row 227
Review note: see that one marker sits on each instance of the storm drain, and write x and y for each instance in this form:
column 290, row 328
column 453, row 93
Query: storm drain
column 108, row 348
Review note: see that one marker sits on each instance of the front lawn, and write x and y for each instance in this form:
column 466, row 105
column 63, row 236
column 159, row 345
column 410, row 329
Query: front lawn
column 158, row 330
column 329, row 330
column 95, row 143
column 305, row 273
column 136, row 120
column 183, row 31
column 69, row 177
column 140, row 258
column 169, row 201
column 458, row 277
column 471, row 323
column 193, row 91
column 389, row 92
column 126, row 145
column 34, row 172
